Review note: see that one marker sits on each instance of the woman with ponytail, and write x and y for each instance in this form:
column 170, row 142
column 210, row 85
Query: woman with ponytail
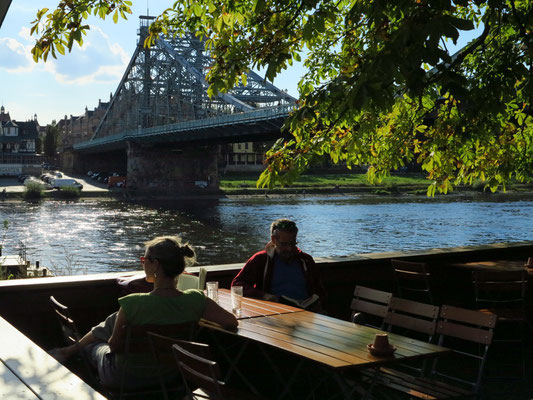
column 165, row 258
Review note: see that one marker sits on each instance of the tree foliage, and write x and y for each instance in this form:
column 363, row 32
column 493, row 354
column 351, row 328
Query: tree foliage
column 50, row 141
column 381, row 87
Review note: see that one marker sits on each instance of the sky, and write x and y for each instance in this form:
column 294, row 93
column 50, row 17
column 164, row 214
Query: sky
column 68, row 84
column 65, row 86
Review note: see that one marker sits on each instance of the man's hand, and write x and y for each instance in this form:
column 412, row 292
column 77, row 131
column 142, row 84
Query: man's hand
column 271, row 297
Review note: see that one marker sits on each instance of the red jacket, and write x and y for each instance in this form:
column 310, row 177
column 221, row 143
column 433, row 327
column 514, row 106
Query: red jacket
column 256, row 275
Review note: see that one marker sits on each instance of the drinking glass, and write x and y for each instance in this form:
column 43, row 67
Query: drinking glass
column 236, row 300
column 212, row 290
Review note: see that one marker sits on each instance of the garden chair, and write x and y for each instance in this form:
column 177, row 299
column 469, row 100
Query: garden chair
column 412, row 280
column 369, row 306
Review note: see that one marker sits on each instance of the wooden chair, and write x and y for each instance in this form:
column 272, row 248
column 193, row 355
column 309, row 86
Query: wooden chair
column 464, row 331
column 161, row 347
column 72, row 336
column 201, row 375
column 188, row 281
column 138, row 344
column 504, row 293
column 412, row 280
column 369, row 306
column 411, row 319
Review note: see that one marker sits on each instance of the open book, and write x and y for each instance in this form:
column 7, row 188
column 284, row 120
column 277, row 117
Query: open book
column 299, row 303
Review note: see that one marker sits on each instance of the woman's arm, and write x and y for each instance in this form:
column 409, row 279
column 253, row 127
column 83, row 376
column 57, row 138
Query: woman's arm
column 118, row 337
column 214, row 313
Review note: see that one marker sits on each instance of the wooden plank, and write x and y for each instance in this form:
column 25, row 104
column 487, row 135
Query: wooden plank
column 12, row 388
column 39, row 371
column 358, row 338
column 292, row 348
column 347, row 350
column 495, row 265
column 406, row 346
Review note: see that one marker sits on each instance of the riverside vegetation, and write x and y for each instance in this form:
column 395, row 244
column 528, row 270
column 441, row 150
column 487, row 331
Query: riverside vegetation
column 411, row 183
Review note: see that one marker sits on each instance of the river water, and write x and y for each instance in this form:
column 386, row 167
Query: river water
column 97, row 235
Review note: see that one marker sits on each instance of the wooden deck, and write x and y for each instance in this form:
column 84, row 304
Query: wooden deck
column 28, row 325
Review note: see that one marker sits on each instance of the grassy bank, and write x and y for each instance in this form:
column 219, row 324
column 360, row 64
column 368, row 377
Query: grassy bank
column 411, row 183
column 246, row 183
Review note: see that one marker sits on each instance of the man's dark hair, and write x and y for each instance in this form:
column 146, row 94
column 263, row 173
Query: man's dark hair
column 284, row 225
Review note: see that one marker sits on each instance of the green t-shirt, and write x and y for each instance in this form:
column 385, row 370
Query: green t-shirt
column 144, row 309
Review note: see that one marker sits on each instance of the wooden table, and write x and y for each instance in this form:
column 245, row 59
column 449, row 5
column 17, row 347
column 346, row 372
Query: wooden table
column 494, row 265
column 28, row 372
column 253, row 308
column 334, row 345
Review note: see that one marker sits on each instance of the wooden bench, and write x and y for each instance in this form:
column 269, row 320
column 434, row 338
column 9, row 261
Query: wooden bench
column 34, row 374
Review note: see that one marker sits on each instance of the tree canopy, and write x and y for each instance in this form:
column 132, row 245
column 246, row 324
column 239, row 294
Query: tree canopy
column 381, row 87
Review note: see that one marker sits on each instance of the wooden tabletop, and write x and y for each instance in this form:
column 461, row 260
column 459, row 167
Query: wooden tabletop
column 494, row 265
column 28, row 372
column 253, row 308
column 329, row 341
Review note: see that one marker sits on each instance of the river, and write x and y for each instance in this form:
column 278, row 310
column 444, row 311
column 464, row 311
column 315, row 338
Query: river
column 103, row 235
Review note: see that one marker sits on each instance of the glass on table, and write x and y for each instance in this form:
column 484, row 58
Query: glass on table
column 236, row 300
column 212, row 290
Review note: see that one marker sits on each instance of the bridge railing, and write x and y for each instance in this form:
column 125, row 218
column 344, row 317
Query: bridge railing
column 187, row 126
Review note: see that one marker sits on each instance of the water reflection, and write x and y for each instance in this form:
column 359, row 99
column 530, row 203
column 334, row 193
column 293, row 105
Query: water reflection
column 106, row 235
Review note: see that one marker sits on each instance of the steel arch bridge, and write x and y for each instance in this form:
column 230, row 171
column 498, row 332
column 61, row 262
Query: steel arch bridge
column 162, row 97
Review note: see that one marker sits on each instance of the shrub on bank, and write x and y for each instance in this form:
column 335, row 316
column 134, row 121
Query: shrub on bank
column 69, row 192
column 33, row 190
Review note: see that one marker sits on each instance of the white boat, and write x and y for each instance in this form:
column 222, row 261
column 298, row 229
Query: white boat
column 15, row 266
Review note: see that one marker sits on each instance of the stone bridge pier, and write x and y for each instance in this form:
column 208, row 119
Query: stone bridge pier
column 161, row 170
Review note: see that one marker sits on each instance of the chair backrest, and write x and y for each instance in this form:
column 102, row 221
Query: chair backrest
column 202, row 274
column 412, row 280
column 198, row 370
column 189, row 281
column 138, row 337
column 68, row 327
column 464, row 331
column 161, row 347
column 139, row 343
column 412, row 316
column 370, row 302
column 72, row 336
column 501, row 288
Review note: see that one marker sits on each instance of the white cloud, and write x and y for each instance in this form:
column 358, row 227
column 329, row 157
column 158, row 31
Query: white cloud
column 15, row 56
column 24, row 33
column 99, row 60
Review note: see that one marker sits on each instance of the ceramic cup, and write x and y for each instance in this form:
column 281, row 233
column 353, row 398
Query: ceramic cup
column 529, row 262
column 381, row 341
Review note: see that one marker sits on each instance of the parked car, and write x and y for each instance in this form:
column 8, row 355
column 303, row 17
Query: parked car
column 22, row 177
column 59, row 183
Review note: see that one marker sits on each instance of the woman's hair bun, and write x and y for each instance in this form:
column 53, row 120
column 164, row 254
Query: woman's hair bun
column 187, row 251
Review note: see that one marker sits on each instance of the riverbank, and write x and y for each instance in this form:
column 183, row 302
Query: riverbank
column 349, row 183
column 242, row 185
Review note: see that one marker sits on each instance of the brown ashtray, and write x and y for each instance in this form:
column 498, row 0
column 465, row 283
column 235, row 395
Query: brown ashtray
column 381, row 352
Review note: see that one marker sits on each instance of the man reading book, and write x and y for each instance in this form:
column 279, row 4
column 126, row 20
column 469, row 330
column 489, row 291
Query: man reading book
column 282, row 272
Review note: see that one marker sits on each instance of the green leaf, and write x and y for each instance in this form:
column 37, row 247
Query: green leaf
column 115, row 16
column 197, row 9
column 307, row 32
column 259, row 6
